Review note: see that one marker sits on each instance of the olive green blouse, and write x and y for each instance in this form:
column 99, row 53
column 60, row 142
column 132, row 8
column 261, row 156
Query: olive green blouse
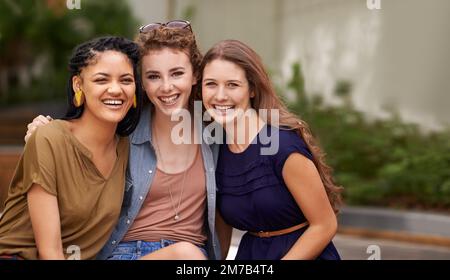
column 89, row 204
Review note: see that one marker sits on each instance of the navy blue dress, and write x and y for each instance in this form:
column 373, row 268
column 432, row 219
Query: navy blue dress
column 252, row 196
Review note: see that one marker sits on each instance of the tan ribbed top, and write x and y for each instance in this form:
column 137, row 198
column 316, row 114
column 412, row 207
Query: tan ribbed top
column 155, row 220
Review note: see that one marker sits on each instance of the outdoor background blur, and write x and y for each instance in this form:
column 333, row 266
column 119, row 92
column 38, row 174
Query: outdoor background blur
column 370, row 77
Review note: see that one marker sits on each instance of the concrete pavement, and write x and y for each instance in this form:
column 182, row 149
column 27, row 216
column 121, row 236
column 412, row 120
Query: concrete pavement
column 360, row 248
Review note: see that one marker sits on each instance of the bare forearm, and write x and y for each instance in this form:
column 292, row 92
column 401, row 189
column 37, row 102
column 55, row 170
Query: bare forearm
column 45, row 221
column 225, row 242
column 224, row 233
column 311, row 243
column 51, row 254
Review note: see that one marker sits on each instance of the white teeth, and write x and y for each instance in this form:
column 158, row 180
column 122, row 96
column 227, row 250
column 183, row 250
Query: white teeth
column 169, row 100
column 221, row 107
column 113, row 102
column 224, row 110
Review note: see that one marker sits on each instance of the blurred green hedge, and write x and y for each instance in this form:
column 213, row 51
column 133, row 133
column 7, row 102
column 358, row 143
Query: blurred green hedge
column 37, row 37
column 382, row 162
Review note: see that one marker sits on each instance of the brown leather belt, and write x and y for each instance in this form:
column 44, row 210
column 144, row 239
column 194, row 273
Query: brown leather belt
column 278, row 232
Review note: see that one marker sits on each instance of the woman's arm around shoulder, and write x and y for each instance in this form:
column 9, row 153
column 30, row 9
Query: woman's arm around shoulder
column 38, row 121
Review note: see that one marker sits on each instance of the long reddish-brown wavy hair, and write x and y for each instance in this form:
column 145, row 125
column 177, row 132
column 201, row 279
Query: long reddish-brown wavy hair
column 266, row 98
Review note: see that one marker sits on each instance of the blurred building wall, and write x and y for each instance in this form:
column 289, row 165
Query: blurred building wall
column 395, row 57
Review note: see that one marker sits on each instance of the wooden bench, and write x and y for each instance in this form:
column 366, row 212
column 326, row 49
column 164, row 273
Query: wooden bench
column 9, row 157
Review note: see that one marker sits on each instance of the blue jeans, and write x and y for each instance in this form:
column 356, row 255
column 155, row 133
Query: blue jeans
column 133, row 250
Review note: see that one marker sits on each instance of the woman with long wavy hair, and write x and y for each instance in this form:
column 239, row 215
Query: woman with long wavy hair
column 285, row 199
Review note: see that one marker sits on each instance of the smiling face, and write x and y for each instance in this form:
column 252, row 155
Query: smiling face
column 168, row 78
column 108, row 86
column 225, row 90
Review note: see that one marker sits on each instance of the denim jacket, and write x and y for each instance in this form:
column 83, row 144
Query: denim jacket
column 140, row 174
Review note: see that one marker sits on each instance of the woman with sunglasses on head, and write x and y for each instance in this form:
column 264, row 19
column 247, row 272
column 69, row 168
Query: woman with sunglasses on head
column 67, row 189
column 168, row 210
column 286, row 198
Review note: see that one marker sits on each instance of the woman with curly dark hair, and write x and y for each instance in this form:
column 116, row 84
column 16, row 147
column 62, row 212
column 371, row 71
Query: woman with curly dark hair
column 168, row 211
column 66, row 193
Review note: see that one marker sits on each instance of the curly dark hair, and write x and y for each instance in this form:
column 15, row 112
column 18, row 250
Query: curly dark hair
column 84, row 55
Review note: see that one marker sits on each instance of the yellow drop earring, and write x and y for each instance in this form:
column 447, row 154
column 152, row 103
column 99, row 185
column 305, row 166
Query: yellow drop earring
column 134, row 101
column 77, row 99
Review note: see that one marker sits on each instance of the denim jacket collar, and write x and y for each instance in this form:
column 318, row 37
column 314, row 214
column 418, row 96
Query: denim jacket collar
column 143, row 132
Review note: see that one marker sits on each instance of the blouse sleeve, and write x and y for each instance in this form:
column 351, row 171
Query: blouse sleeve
column 290, row 142
column 38, row 164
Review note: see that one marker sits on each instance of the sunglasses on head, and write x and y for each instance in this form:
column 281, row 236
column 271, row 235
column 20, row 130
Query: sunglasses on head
column 181, row 24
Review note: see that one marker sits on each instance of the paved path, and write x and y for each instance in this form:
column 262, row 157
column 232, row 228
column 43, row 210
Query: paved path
column 355, row 248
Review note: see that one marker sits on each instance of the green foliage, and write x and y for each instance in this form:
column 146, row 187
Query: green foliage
column 297, row 83
column 189, row 13
column 37, row 37
column 382, row 162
